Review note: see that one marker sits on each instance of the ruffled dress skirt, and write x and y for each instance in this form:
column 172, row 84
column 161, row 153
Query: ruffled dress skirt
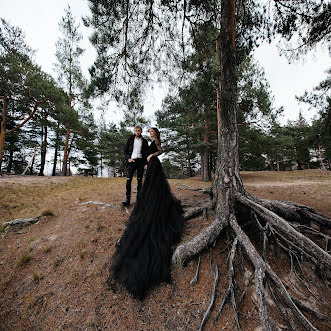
column 143, row 255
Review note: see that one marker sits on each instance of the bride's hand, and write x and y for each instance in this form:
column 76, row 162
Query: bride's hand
column 149, row 157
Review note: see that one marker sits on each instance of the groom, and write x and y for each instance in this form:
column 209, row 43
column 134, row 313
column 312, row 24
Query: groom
column 135, row 152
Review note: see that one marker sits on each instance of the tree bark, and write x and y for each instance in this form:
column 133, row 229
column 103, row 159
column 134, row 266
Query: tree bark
column 66, row 153
column 30, row 164
column 320, row 157
column 10, row 161
column 56, row 149
column 218, row 113
column 227, row 177
column 43, row 149
column 205, row 171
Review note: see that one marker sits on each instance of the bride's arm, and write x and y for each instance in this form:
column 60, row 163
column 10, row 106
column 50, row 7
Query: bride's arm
column 159, row 151
column 159, row 148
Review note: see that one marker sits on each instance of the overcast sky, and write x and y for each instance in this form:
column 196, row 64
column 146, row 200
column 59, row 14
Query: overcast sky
column 39, row 20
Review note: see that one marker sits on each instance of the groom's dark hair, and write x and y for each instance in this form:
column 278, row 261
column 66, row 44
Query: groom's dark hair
column 138, row 127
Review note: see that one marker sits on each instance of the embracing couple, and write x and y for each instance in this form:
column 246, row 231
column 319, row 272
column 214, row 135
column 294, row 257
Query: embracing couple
column 142, row 257
column 137, row 155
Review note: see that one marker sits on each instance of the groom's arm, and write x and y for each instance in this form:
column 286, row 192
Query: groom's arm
column 145, row 151
column 126, row 152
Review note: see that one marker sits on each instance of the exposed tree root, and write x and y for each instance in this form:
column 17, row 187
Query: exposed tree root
column 230, row 293
column 292, row 211
column 212, row 300
column 304, row 243
column 269, row 218
column 205, row 238
column 260, row 269
column 194, row 212
column 196, row 276
column 22, row 221
column 288, row 320
column 207, row 190
column 99, row 203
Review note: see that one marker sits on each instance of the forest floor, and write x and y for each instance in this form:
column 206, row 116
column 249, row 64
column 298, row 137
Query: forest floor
column 53, row 273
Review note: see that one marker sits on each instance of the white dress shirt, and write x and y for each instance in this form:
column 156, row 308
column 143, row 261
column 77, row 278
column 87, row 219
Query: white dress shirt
column 136, row 153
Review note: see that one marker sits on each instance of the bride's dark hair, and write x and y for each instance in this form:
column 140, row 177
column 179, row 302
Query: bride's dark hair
column 156, row 130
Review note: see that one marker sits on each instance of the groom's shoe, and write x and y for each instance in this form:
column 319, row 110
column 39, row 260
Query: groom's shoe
column 126, row 203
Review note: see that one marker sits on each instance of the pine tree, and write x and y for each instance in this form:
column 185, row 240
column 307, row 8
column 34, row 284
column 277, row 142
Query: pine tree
column 70, row 75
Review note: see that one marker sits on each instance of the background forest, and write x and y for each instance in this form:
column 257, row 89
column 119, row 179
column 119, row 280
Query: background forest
column 48, row 126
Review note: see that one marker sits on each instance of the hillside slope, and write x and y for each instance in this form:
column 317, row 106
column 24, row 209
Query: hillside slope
column 53, row 273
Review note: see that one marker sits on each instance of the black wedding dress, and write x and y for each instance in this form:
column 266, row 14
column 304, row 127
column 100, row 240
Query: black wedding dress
column 143, row 255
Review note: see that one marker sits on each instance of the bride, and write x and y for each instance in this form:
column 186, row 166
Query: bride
column 143, row 254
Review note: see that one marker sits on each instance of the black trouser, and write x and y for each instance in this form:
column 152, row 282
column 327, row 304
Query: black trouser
column 138, row 165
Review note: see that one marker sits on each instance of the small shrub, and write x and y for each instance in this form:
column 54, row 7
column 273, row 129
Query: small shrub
column 36, row 277
column 57, row 262
column 32, row 301
column 48, row 248
column 99, row 226
column 24, row 258
column 81, row 254
column 47, row 212
column 2, row 228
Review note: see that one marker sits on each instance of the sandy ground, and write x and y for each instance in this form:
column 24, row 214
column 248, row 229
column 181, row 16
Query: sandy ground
column 53, row 273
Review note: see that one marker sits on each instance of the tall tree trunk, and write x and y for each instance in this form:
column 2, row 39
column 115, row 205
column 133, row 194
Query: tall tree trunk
column 101, row 166
column 66, row 153
column 43, row 150
column 32, row 162
column 202, row 163
column 218, row 113
column 56, row 148
column 3, row 129
column 189, row 167
column 210, row 168
column 10, row 161
column 205, row 171
column 320, row 157
column 217, row 53
column 227, row 176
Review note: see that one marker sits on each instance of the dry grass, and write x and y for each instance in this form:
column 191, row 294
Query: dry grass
column 48, row 248
column 47, row 212
column 60, row 282
column 36, row 277
column 20, row 200
column 24, row 258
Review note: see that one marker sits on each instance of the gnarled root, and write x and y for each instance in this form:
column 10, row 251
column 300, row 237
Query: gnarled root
column 267, row 217
column 207, row 190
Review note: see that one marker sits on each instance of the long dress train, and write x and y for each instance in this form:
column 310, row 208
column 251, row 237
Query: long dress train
column 143, row 255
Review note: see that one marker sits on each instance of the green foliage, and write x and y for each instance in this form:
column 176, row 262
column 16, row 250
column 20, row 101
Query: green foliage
column 25, row 84
column 111, row 141
column 320, row 132
column 67, row 54
column 303, row 24
column 191, row 116
column 87, row 144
